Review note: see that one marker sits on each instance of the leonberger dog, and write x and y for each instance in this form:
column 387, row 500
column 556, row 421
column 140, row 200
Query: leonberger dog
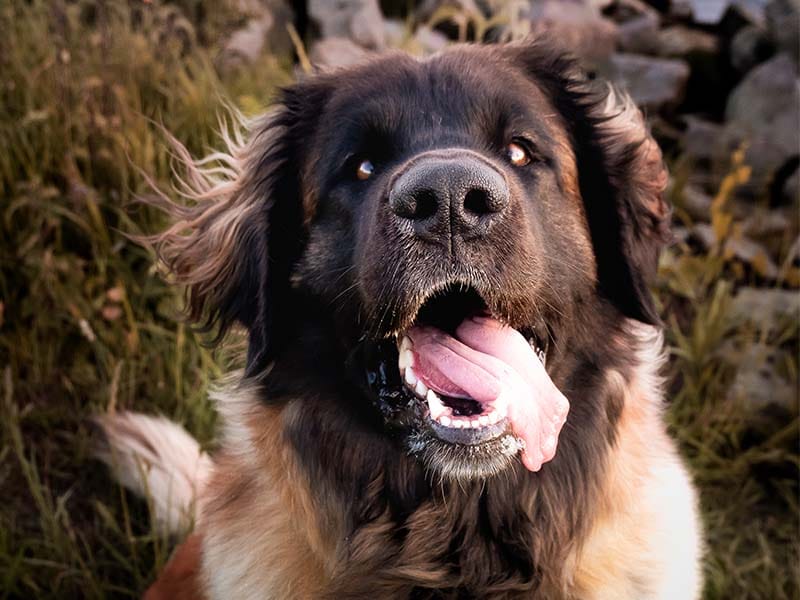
column 452, row 381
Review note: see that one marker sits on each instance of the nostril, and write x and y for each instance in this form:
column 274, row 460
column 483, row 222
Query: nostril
column 479, row 202
column 416, row 205
column 426, row 205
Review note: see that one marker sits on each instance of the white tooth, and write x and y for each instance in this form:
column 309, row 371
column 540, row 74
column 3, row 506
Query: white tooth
column 492, row 417
column 445, row 421
column 411, row 377
column 405, row 344
column 406, row 359
column 458, row 424
column 475, row 423
column 435, row 405
column 483, row 420
column 421, row 389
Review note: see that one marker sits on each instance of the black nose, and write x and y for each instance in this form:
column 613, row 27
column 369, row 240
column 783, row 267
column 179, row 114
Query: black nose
column 454, row 195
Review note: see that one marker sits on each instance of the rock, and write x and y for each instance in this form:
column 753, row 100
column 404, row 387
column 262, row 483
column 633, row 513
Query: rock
column 335, row 52
column 245, row 45
column 751, row 11
column 396, row 32
column 695, row 202
column 739, row 247
column 791, row 189
column 763, row 113
column 358, row 20
column 430, row 40
column 680, row 10
column 265, row 31
column 577, row 24
column 783, row 24
column 424, row 40
column 679, row 41
column 766, row 306
column 764, row 224
column 429, row 8
column 750, row 46
column 637, row 26
column 757, row 383
column 652, row 82
column 753, row 254
column 700, row 138
column 708, row 12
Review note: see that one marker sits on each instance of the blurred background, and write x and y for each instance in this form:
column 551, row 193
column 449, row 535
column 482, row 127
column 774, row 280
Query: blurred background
column 88, row 89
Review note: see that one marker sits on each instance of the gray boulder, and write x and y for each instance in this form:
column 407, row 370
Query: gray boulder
column 336, row 52
column 360, row 21
column 577, row 24
column 701, row 138
column 763, row 112
column 679, row 41
column 749, row 46
column 783, row 23
column 637, row 25
column 653, row 83
column 708, row 12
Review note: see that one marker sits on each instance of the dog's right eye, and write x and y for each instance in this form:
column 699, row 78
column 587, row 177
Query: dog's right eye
column 364, row 170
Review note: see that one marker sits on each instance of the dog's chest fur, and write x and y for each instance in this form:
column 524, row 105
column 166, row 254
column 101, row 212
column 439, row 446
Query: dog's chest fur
column 357, row 525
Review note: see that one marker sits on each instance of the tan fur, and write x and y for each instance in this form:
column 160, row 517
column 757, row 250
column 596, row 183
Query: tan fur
column 645, row 541
column 262, row 537
column 267, row 532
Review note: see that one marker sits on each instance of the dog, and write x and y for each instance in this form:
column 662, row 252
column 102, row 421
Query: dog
column 452, row 380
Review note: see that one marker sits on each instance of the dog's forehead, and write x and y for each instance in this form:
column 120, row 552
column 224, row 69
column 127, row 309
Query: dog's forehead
column 459, row 94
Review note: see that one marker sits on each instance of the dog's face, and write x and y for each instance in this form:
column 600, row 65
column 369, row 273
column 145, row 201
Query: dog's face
column 442, row 214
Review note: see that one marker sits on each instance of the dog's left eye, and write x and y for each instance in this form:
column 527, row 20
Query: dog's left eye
column 517, row 155
column 364, row 170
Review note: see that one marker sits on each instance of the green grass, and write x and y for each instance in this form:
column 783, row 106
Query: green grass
column 87, row 324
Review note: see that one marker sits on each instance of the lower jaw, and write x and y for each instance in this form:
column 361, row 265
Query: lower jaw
column 469, row 437
column 453, row 461
column 452, row 454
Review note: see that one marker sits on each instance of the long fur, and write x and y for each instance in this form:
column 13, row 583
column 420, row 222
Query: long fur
column 158, row 460
column 309, row 496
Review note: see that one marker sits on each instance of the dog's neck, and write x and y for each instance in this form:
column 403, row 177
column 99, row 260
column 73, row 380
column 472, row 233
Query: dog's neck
column 396, row 517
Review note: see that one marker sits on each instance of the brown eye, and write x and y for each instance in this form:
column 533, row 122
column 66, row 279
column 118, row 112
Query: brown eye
column 517, row 155
column 365, row 169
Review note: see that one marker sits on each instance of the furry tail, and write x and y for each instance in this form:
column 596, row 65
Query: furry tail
column 158, row 460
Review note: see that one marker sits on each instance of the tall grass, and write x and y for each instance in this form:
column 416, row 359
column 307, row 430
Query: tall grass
column 86, row 324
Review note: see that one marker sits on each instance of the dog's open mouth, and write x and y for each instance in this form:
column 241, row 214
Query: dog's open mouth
column 482, row 385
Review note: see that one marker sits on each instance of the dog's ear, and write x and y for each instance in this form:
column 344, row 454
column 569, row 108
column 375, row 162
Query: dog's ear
column 629, row 238
column 234, row 245
column 621, row 176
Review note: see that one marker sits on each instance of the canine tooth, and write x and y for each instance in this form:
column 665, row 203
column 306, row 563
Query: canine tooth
column 437, row 409
column 406, row 359
column 421, row 389
column 445, row 421
column 411, row 377
column 483, row 420
column 405, row 344
column 493, row 417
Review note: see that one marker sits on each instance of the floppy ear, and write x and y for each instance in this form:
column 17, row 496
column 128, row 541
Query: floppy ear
column 621, row 173
column 637, row 178
column 233, row 245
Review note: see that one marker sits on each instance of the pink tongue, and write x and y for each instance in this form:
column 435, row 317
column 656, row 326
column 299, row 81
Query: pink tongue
column 487, row 361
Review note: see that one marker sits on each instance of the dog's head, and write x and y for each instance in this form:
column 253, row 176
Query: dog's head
column 434, row 213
